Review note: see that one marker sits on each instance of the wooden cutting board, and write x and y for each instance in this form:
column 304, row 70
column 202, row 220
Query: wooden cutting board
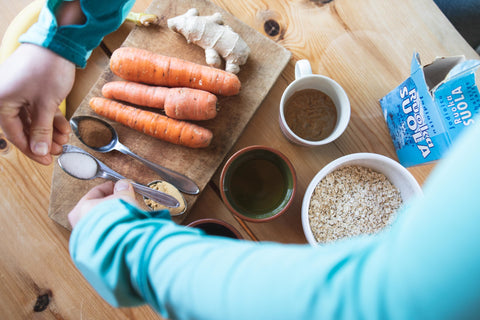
column 265, row 63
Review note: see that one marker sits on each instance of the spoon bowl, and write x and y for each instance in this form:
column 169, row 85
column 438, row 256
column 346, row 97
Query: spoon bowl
column 105, row 139
column 84, row 166
column 102, row 130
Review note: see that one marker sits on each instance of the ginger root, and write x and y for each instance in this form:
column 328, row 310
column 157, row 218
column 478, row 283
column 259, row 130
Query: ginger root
column 214, row 37
column 143, row 19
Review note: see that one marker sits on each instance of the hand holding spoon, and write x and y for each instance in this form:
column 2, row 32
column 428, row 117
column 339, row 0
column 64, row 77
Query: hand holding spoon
column 106, row 140
column 82, row 165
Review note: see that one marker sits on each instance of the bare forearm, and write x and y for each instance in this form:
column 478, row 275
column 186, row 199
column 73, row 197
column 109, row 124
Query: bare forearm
column 70, row 13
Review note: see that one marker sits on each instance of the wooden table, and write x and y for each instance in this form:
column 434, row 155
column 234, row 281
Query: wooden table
column 366, row 46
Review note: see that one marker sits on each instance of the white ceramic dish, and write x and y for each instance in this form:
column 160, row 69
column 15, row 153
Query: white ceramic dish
column 394, row 171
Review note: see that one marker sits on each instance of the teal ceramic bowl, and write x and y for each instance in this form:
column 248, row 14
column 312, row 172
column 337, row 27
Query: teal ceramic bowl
column 258, row 183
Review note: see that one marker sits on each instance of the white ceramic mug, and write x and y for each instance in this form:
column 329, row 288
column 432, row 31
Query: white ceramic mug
column 305, row 79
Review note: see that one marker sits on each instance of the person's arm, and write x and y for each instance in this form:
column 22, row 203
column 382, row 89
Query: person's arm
column 70, row 13
column 424, row 267
column 41, row 71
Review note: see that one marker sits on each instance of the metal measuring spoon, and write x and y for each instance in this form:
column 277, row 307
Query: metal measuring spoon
column 84, row 166
column 180, row 181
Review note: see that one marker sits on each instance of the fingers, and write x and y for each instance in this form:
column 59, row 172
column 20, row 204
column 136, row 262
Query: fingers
column 41, row 132
column 13, row 128
column 44, row 128
column 61, row 126
column 99, row 192
column 29, row 100
column 61, row 132
column 124, row 190
column 56, row 149
column 52, row 137
column 88, row 201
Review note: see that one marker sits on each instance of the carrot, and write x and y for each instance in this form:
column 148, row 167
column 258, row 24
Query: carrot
column 178, row 103
column 151, row 123
column 144, row 66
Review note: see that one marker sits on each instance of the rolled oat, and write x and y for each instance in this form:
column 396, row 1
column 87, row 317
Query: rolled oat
column 350, row 201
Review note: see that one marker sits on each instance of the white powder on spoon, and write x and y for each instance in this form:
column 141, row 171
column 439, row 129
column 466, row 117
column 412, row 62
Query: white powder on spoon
column 79, row 165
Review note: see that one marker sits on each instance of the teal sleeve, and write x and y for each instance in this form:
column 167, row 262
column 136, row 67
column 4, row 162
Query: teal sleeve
column 424, row 267
column 76, row 42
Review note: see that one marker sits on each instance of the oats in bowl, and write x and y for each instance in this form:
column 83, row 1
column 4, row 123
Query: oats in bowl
column 355, row 194
column 350, row 201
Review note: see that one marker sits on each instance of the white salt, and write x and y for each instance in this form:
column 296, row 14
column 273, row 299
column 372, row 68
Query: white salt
column 79, row 165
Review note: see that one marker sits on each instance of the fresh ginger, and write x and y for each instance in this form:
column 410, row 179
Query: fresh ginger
column 214, row 37
column 143, row 19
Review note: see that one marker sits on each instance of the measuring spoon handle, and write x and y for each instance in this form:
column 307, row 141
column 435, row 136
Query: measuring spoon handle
column 150, row 193
column 156, row 195
column 108, row 173
column 180, row 181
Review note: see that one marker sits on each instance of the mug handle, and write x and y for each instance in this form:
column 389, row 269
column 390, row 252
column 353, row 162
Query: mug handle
column 302, row 68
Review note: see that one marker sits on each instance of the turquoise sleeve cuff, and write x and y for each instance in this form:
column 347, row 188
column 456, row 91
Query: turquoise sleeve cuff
column 76, row 42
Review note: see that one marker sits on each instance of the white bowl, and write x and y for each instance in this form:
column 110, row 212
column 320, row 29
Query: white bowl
column 398, row 175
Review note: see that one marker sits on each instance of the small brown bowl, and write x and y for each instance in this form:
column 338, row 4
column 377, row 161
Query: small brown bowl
column 258, row 183
column 216, row 227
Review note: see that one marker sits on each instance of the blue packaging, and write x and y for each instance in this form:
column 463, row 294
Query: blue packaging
column 429, row 110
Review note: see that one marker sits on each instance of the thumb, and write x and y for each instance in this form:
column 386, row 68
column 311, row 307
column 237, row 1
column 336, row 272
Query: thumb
column 124, row 189
column 41, row 132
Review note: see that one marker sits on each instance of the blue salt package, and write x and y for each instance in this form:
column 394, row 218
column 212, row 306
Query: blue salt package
column 429, row 110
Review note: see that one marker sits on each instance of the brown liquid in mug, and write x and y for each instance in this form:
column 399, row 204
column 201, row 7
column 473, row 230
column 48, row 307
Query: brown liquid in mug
column 311, row 114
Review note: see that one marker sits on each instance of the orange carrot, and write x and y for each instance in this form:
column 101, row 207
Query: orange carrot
column 151, row 123
column 144, row 66
column 178, row 103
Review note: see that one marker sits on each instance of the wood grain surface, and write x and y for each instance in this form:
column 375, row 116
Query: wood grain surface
column 364, row 45
column 265, row 63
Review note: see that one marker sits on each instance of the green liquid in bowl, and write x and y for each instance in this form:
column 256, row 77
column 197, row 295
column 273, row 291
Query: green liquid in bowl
column 258, row 186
